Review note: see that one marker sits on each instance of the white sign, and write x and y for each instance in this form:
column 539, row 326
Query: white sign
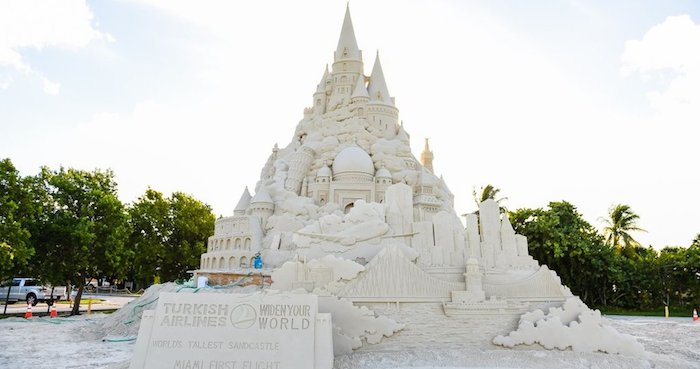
column 229, row 331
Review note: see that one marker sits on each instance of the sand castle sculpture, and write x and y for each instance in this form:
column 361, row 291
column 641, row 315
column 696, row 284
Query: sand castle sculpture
column 346, row 210
column 348, row 185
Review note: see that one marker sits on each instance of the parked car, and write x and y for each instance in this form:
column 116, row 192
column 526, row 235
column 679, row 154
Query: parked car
column 31, row 290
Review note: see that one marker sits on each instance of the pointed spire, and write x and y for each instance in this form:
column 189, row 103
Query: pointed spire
column 402, row 134
column 322, row 85
column 347, row 44
column 243, row 203
column 377, row 85
column 426, row 157
column 360, row 89
column 262, row 196
column 506, row 226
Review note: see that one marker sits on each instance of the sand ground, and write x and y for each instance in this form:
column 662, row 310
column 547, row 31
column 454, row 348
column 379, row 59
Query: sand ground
column 67, row 343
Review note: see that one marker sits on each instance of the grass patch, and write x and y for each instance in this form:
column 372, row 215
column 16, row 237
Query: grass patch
column 82, row 301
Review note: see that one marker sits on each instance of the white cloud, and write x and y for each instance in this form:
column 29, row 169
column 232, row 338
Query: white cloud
column 170, row 147
column 672, row 44
column 468, row 82
column 668, row 56
column 5, row 82
column 495, row 103
column 51, row 88
column 9, row 57
column 40, row 24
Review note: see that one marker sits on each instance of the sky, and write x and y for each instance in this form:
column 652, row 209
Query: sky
column 592, row 102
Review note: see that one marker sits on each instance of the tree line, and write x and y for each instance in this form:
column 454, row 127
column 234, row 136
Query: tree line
column 607, row 269
column 67, row 226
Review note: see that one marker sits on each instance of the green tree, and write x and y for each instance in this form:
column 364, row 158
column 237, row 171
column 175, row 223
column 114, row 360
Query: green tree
column 636, row 284
column 150, row 226
column 85, row 228
column 18, row 212
column 692, row 265
column 168, row 235
column 679, row 268
column 562, row 239
column 671, row 275
column 485, row 193
column 621, row 221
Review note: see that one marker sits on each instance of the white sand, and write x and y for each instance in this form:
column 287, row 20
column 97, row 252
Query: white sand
column 429, row 340
column 671, row 343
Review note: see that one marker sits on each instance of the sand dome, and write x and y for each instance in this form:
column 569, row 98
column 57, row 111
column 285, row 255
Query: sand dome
column 353, row 159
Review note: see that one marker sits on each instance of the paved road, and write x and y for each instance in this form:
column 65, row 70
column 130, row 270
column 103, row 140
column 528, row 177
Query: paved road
column 109, row 302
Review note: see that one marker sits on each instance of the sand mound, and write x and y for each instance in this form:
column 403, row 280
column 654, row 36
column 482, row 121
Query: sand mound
column 124, row 323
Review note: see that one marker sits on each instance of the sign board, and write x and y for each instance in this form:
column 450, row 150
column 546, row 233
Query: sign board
column 230, row 331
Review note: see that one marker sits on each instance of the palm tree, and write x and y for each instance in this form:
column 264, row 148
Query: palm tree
column 487, row 192
column 622, row 220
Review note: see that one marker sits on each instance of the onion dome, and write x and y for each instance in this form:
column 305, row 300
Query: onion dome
column 353, row 159
column 383, row 173
column 325, row 171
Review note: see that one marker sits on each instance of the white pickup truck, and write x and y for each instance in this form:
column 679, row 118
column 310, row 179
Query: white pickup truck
column 31, row 291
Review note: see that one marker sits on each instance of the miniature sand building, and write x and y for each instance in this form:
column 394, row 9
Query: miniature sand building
column 348, row 185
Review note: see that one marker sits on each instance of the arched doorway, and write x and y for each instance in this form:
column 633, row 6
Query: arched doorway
column 349, row 207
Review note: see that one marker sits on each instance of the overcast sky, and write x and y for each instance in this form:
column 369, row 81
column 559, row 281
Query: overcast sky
column 592, row 102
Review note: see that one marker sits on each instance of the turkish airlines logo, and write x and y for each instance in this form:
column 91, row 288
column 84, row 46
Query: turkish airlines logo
column 243, row 316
